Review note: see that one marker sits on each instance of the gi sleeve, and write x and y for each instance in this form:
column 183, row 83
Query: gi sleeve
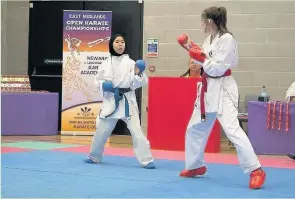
column 99, row 78
column 290, row 92
column 139, row 80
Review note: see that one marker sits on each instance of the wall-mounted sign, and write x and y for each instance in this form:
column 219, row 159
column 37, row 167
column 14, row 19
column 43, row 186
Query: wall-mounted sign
column 152, row 47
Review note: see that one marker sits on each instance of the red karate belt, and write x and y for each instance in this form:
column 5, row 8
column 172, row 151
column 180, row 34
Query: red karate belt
column 204, row 90
column 272, row 115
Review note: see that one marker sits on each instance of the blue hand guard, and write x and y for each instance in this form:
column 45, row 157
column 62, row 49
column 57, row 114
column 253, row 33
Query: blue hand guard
column 140, row 65
column 108, row 86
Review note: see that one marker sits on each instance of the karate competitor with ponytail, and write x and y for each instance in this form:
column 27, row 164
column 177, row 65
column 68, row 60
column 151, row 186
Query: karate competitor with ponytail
column 218, row 98
column 117, row 79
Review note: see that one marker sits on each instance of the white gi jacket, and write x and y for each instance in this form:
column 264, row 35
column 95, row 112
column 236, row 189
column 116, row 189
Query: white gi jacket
column 120, row 71
column 222, row 55
column 290, row 92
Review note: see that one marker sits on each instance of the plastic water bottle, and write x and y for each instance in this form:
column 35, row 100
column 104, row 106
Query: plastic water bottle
column 263, row 92
column 263, row 95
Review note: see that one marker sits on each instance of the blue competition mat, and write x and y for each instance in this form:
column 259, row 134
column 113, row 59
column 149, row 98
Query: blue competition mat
column 53, row 174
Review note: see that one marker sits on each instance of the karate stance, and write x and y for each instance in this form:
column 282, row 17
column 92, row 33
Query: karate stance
column 218, row 98
column 117, row 79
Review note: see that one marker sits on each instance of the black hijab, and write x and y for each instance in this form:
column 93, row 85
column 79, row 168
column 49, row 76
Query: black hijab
column 111, row 48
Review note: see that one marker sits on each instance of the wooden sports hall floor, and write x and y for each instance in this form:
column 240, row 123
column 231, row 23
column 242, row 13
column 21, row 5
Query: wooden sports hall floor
column 118, row 141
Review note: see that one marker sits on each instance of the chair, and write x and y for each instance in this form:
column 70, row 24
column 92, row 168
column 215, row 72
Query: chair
column 249, row 98
column 243, row 117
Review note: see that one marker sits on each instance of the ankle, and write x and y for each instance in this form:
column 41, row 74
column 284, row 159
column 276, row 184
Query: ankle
column 259, row 169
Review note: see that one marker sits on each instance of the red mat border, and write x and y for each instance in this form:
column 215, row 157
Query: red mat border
column 218, row 158
column 7, row 149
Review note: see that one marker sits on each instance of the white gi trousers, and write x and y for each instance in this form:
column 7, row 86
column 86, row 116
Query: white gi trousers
column 104, row 128
column 197, row 134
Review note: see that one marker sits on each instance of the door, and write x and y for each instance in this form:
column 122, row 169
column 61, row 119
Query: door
column 45, row 35
column 45, row 43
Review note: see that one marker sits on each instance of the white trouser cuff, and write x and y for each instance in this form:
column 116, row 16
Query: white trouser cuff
column 251, row 168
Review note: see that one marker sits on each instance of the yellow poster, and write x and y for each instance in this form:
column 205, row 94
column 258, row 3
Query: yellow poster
column 86, row 35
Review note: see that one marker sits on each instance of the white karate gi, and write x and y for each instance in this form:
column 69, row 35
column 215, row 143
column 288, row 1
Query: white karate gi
column 221, row 101
column 120, row 71
column 290, row 92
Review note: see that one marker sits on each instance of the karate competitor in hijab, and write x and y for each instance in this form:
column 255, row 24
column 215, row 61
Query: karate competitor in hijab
column 218, row 55
column 119, row 71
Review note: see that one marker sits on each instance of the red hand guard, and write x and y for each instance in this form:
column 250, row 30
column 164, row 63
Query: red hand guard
column 186, row 42
column 197, row 55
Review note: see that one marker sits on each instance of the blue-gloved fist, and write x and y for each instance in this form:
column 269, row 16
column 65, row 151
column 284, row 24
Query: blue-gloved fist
column 108, row 86
column 140, row 65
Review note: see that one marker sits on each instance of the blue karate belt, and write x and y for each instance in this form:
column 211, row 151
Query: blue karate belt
column 119, row 94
